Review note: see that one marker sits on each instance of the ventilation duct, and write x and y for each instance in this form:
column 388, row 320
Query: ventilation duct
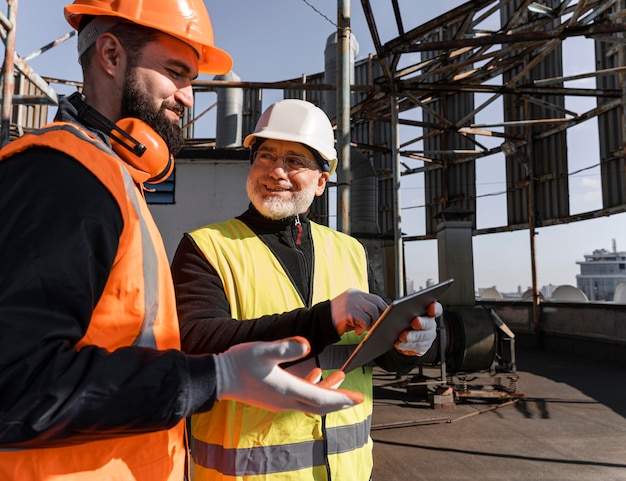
column 363, row 195
column 330, row 72
column 229, row 113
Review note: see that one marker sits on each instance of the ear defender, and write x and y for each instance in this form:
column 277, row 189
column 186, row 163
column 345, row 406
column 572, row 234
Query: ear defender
column 134, row 141
column 154, row 162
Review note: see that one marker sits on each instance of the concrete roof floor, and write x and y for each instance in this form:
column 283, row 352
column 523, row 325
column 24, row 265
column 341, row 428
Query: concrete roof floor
column 566, row 422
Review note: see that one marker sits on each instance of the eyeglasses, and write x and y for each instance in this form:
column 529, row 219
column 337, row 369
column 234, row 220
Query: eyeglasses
column 291, row 162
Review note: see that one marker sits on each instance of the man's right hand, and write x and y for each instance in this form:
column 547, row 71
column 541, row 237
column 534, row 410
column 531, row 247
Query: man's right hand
column 355, row 310
column 250, row 373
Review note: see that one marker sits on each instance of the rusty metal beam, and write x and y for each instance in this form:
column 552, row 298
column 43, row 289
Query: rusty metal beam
column 459, row 54
column 369, row 17
column 531, row 36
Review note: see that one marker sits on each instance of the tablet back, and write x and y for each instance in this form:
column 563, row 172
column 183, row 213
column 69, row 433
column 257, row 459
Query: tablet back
column 395, row 319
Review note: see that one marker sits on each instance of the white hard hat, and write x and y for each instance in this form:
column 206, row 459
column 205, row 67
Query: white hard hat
column 298, row 121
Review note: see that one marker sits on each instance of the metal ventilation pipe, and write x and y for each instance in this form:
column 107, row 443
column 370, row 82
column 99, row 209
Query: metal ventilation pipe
column 229, row 113
column 329, row 103
column 363, row 195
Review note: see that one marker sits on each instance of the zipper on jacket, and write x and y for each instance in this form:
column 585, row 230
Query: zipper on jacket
column 298, row 242
column 298, row 225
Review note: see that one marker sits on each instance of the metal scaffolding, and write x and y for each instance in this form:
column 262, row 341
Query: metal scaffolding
column 433, row 80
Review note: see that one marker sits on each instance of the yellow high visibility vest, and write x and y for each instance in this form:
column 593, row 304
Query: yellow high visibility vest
column 137, row 307
column 235, row 441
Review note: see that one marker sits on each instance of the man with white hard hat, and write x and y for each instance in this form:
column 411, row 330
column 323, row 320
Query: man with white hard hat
column 270, row 273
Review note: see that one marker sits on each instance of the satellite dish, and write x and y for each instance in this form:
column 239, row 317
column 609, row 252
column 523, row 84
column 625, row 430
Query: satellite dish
column 528, row 295
column 620, row 293
column 567, row 293
column 490, row 294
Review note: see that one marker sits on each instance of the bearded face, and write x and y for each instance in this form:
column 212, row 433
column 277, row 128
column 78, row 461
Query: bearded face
column 284, row 179
column 280, row 207
column 139, row 103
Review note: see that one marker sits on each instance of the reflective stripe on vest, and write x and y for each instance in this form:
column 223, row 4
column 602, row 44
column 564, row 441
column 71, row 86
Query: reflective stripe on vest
column 282, row 457
column 145, row 338
column 237, row 438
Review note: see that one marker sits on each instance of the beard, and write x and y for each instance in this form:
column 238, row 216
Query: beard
column 138, row 103
column 275, row 207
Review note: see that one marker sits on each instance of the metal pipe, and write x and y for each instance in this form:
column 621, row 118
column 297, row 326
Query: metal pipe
column 8, row 84
column 530, row 174
column 621, row 56
column 343, row 116
column 397, row 167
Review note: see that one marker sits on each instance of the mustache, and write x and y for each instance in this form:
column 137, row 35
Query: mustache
column 175, row 107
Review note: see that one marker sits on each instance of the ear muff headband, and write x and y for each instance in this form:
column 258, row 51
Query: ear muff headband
column 134, row 141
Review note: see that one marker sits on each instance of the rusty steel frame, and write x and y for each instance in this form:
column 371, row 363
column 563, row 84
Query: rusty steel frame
column 467, row 60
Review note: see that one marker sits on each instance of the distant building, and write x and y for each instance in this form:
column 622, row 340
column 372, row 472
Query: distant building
column 600, row 273
column 546, row 291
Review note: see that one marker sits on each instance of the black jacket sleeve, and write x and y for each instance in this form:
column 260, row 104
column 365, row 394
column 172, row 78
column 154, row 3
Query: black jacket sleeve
column 205, row 318
column 59, row 235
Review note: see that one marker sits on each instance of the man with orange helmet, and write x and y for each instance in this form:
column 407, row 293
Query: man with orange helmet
column 93, row 384
column 271, row 273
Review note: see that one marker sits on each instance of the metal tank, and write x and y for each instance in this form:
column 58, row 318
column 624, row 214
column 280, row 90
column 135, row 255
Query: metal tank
column 229, row 113
column 363, row 195
column 329, row 104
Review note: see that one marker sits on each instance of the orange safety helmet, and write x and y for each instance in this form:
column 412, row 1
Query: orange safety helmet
column 186, row 20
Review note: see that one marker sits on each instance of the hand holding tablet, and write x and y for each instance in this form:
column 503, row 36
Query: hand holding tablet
column 397, row 318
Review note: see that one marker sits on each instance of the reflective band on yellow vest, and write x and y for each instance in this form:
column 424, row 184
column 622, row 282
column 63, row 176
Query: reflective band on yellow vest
column 136, row 308
column 235, row 440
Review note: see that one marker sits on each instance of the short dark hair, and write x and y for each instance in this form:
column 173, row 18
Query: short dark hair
column 132, row 36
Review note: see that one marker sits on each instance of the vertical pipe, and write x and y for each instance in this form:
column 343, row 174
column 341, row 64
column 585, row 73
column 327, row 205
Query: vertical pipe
column 530, row 174
column 8, row 83
column 343, row 115
column 533, row 256
column 621, row 57
column 397, row 231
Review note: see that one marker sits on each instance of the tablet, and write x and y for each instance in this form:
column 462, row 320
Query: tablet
column 396, row 318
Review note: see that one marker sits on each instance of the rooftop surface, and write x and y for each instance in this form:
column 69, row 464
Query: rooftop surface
column 567, row 421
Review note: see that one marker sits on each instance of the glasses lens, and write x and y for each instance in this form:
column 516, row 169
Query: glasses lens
column 264, row 157
column 291, row 162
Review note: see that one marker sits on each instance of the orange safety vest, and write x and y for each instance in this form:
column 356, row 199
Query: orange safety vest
column 137, row 308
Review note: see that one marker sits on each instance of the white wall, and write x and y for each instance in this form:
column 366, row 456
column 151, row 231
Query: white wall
column 206, row 191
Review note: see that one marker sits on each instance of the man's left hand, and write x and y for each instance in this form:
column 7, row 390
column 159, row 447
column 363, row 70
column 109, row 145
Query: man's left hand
column 417, row 340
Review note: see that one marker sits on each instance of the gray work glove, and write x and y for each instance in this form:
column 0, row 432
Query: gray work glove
column 417, row 340
column 355, row 310
column 249, row 373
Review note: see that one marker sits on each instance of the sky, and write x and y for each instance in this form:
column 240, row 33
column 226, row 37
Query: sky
column 273, row 40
